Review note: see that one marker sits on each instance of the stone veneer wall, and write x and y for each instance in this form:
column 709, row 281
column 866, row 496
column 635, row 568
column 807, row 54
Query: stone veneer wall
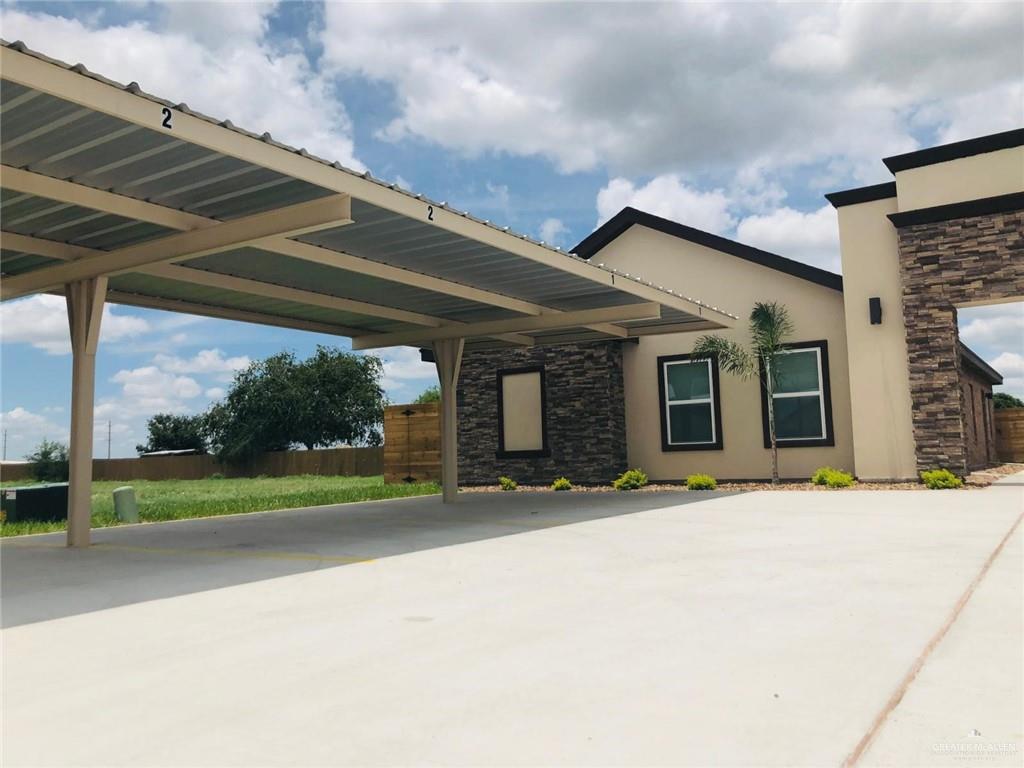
column 943, row 265
column 586, row 416
column 979, row 418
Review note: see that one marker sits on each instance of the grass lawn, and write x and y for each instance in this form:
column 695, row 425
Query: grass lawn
column 181, row 499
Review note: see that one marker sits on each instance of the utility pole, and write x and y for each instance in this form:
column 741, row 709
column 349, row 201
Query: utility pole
column 108, row 438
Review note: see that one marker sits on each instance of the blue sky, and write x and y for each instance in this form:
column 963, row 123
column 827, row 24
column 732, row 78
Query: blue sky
column 734, row 118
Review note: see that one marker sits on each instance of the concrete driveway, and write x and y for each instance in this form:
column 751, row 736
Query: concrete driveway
column 778, row 628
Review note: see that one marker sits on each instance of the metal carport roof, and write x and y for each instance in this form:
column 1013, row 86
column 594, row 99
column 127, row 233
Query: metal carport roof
column 92, row 167
column 110, row 194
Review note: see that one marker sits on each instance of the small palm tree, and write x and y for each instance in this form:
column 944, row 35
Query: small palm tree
column 769, row 327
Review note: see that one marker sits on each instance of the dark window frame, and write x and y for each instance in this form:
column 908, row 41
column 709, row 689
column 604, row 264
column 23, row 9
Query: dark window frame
column 829, row 439
column 545, row 449
column 716, row 406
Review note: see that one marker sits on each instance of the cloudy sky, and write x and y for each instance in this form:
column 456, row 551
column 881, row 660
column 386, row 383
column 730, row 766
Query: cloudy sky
column 549, row 118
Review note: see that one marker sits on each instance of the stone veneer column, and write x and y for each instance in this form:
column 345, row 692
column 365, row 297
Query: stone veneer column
column 586, row 419
column 944, row 265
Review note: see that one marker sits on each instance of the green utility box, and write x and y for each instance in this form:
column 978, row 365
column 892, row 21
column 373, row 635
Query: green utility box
column 47, row 503
column 124, row 504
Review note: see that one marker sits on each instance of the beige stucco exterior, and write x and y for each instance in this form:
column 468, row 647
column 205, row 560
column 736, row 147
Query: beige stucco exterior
column 968, row 178
column 879, row 382
column 521, row 412
column 733, row 284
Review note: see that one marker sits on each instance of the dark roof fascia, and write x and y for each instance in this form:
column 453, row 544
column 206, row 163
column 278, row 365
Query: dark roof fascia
column 946, row 152
column 981, row 207
column 627, row 217
column 971, row 358
column 862, row 194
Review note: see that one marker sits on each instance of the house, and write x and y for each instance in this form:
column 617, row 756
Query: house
column 879, row 383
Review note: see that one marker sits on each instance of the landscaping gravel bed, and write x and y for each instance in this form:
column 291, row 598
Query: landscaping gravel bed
column 973, row 481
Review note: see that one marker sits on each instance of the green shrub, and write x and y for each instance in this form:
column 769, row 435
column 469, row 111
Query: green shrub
column 216, row 476
column 820, row 476
column 701, row 482
column 507, row 483
column 839, row 479
column 937, row 479
column 833, row 478
column 630, row 480
column 561, row 484
column 49, row 462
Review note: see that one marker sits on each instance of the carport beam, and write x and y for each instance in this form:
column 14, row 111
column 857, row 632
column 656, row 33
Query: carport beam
column 448, row 359
column 85, row 299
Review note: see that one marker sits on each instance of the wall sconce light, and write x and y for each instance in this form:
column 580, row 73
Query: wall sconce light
column 875, row 310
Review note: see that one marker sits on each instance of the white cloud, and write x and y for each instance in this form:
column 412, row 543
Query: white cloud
column 215, row 393
column 670, row 197
column 26, row 429
column 218, row 24
column 209, row 361
column 812, row 237
column 998, row 325
column 42, row 321
column 686, row 86
column 148, row 390
column 1011, row 366
column 212, row 56
column 996, row 332
column 552, row 231
column 405, row 375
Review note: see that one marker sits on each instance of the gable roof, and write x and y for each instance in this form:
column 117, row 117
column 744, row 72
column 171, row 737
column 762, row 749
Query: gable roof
column 628, row 216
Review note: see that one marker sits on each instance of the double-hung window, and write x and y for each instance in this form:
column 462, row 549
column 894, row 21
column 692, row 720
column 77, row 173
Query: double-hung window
column 803, row 403
column 691, row 415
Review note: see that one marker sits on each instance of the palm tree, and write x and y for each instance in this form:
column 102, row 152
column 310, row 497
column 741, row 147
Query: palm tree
column 769, row 327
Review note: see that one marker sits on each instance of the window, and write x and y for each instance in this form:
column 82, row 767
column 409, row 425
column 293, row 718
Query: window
column 803, row 401
column 522, row 406
column 691, row 414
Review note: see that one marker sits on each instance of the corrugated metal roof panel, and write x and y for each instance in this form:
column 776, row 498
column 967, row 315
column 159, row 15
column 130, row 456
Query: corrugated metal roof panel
column 277, row 269
column 14, row 263
column 55, row 137
column 146, row 285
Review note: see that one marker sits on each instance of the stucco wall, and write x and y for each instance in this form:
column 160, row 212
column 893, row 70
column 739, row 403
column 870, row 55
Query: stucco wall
column 732, row 284
column 967, row 178
column 879, row 382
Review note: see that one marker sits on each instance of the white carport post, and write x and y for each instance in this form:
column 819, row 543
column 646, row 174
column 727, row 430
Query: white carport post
column 85, row 300
column 448, row 359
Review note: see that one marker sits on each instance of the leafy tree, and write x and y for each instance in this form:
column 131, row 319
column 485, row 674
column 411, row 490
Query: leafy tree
column 429, row 395
column 341, row 400
column 258, row 413
column 333, row 397
column 49, row 461
column 770, row 326
column 1006, row 400
column 168, row 432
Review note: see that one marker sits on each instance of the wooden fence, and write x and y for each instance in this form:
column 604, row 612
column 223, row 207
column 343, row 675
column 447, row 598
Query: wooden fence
column 1010, row 434
column 327, row 461
column 412, row 443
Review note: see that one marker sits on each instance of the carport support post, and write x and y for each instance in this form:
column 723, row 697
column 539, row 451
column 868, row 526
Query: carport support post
column 448, row 358
column 85, row 300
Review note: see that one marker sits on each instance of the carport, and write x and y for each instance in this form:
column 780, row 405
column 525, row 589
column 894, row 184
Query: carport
column 110, row 194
